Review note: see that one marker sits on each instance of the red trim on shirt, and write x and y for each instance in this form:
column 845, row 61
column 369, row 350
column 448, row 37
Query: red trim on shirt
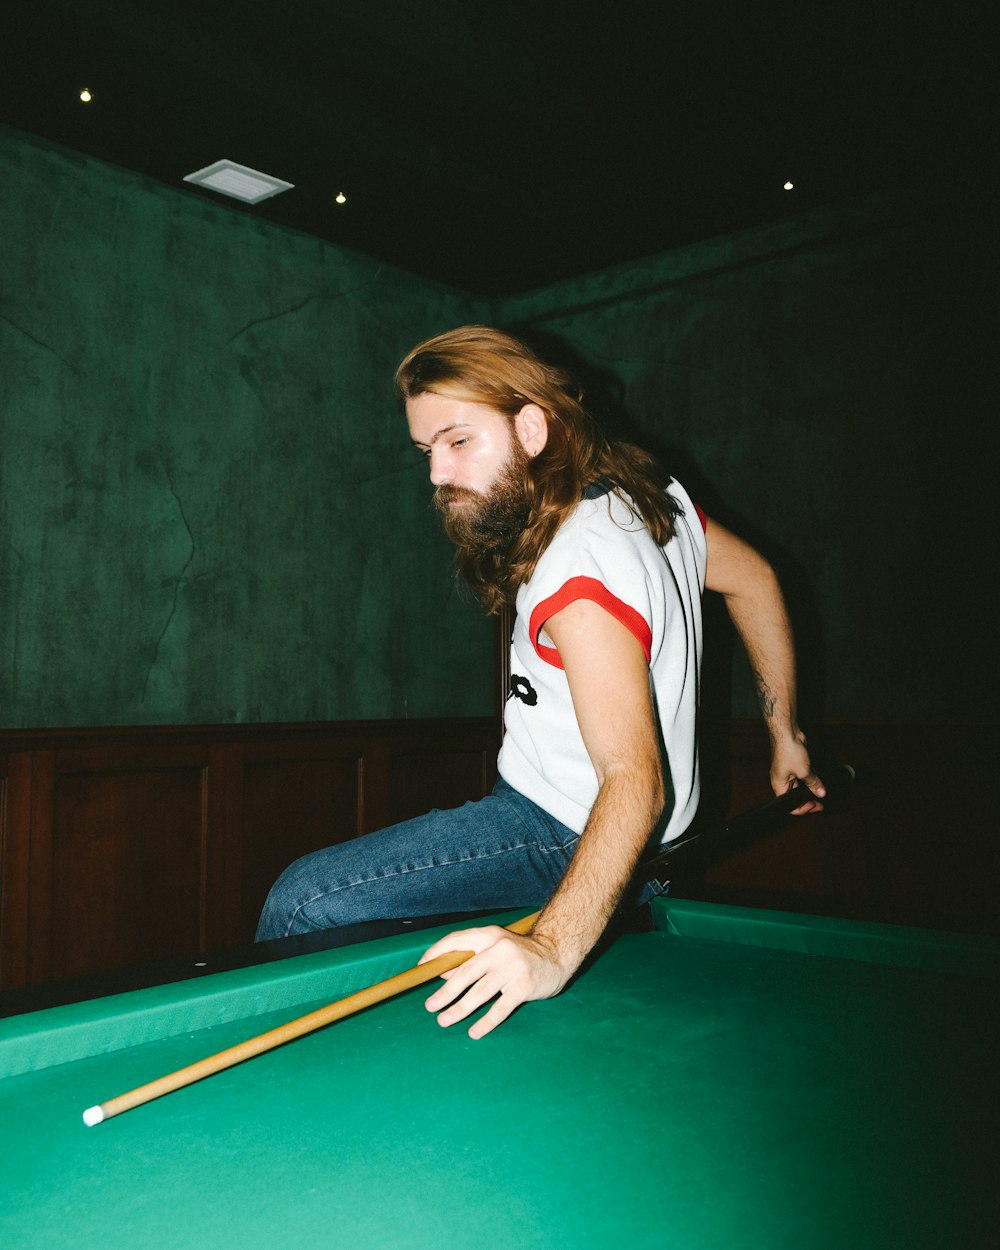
column 701, row 517
column 586, row 588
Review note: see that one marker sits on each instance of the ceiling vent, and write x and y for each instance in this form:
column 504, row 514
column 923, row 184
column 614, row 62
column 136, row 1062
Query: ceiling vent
column 248, row 185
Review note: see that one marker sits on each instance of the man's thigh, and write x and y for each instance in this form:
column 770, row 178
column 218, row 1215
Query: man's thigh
column 501, row 851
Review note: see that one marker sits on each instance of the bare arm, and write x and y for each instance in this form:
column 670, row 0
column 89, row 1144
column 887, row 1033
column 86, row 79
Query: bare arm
column 609, row 682
column 757, row 608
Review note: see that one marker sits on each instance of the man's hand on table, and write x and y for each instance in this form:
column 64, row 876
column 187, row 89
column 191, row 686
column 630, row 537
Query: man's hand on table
column 511, row 969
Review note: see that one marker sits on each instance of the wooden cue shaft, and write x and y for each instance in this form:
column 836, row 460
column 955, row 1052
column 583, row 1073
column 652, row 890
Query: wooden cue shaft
column 418, row 975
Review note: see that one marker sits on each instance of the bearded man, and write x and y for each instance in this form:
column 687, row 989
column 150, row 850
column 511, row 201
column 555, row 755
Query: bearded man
column 605, row 557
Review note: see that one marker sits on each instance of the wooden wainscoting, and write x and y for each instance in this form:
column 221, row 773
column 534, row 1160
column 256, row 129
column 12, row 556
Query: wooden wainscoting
column 916, row 843
column 125, row 846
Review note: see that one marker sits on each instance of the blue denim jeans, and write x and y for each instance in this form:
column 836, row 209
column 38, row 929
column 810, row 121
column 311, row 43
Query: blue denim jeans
column 500, row 852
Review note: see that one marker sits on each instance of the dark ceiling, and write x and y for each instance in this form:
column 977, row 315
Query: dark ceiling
column 503, row 146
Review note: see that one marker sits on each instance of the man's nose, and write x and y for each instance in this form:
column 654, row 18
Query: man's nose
column 442, row 467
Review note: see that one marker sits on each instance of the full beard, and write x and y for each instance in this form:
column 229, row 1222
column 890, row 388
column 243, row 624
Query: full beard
column 481, row 525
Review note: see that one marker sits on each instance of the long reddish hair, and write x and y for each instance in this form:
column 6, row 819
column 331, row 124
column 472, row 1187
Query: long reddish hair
column 487, row 366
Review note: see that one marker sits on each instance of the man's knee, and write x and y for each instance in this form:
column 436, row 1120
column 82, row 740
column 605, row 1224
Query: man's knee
column 282, row 915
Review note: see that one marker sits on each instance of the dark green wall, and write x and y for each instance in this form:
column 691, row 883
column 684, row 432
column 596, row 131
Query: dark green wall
column 210, row 509
column 821, row 384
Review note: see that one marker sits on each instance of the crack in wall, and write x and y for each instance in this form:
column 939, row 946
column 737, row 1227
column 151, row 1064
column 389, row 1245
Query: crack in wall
column 32, row 339
column 310, row 299
column 12, row 582
column 177, row 581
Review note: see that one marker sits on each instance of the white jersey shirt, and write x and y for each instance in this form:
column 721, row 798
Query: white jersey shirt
column 603, row 552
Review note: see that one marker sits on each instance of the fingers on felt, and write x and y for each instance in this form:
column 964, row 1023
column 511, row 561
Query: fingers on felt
column 477, row 995
column 471, row 987
column 504, row 1006
column 505, row 1002
column 456, row 982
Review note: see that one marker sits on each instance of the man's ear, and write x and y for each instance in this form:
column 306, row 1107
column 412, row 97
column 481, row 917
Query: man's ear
column 532, row 428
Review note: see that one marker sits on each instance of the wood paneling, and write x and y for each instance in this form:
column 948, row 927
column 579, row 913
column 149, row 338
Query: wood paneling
column 15, row 863
column 125, row 875
column 294, row 800
column 917, row 843
column 120, row 847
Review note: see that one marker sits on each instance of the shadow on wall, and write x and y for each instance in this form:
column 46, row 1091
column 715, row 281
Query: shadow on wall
column 604, row 394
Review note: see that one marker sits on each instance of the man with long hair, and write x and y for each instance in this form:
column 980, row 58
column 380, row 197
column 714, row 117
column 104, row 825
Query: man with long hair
column 605, row 557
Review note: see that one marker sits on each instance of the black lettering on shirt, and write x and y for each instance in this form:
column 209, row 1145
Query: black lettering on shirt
column 522, row 689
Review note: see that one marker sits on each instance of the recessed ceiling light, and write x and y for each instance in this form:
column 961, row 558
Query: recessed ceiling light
column 85, row 95
column 788, row 186
column 340, row 197
column 238, row 181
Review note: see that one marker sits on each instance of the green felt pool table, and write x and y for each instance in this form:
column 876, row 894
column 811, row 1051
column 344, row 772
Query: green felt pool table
column 731, row 1078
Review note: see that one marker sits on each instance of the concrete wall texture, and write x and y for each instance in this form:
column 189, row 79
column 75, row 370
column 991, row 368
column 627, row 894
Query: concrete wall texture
column 210, row 511
column 210, row 508
column 823, row 385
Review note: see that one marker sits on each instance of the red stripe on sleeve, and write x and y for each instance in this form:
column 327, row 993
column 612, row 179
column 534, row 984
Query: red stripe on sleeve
column 701, row 517
column 586, row 588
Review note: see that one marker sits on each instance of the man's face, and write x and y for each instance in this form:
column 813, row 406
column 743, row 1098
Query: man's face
column 478, row 465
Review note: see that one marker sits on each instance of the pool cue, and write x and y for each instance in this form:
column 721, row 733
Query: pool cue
column 309, row 1023
column 755, row 823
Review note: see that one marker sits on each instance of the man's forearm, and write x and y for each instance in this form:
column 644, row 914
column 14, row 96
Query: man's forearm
column 627, row 808
column 759, row 615
column 765, row 630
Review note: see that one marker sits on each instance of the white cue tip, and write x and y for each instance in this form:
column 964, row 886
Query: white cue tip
column 92, row 1116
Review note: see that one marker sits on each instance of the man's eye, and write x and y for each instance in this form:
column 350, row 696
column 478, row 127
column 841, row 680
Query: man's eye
column 460, row 442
